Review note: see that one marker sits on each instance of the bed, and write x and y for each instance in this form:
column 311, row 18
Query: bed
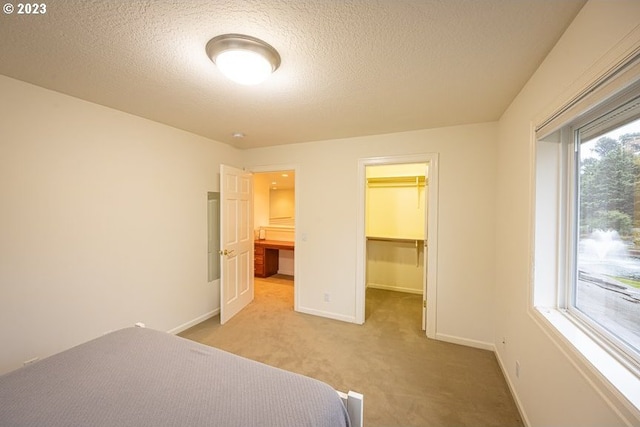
column 142, row 377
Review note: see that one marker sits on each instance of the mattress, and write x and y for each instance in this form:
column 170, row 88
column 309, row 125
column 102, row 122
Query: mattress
column 141, row 377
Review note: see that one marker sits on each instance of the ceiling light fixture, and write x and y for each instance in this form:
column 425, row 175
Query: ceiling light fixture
column 243, row 59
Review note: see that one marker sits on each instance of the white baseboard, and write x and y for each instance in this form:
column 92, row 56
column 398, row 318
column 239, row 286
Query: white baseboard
column 194, row 322
column 512, row 389
column 394, row 288
column 327, row 314
column 465, row 341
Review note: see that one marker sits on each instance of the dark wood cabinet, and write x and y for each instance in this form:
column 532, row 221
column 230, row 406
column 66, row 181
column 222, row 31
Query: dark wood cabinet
column 266, row 256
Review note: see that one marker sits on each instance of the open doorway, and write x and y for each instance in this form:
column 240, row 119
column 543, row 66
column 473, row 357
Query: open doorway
column 274, row 227
column 397, row 232
column 395, row 220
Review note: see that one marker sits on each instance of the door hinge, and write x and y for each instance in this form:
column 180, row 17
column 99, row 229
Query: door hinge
column 424, row 303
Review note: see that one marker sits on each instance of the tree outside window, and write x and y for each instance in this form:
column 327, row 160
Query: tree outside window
column 607, row 289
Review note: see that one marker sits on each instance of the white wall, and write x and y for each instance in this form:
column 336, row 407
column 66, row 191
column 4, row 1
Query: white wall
column 553, row 388
column 326, row 220
column 395, row 265
column 103, row 222
column 261, row 184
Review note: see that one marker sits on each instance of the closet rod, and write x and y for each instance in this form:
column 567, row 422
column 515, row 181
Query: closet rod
column 393, row 239
column 401, row 240
column 399, row 181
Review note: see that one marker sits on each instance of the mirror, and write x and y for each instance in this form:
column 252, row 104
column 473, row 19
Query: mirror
column 274, row 199
column 213, row 231
column 282, row 205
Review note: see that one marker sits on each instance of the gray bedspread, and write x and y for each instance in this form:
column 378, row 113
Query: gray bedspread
column 141, row 377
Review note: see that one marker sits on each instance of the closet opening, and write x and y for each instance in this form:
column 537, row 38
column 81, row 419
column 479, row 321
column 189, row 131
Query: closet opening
column 396, row 263
column 274, row 203
column 395, row 217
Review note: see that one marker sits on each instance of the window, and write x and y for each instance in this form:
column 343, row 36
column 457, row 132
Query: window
column 604, row 288
column 586, row 254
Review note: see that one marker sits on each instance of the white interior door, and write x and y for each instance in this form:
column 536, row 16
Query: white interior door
column 236, row 241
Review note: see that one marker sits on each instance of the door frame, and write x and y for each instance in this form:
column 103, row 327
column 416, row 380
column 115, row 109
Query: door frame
column 430, row 292
column 298, row 246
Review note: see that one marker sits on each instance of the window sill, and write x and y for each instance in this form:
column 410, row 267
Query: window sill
column 619, row 379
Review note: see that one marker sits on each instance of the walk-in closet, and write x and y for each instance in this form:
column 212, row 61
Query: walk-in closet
column 395, row 216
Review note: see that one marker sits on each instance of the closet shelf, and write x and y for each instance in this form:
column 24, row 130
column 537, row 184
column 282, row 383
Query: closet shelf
column 398, row 181
column 394, row 239
column 416, row 242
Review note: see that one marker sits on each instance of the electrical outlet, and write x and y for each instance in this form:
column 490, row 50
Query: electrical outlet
column 327, row 297
column 517, row 369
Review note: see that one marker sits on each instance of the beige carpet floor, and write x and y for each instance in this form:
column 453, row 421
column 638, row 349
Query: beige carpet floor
column 406, row 379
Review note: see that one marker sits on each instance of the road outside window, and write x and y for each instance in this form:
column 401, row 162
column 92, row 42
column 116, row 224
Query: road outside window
column 606, row 292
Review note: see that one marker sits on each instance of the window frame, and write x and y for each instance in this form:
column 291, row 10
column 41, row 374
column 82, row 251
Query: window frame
column 552, row 150
column 617, row 348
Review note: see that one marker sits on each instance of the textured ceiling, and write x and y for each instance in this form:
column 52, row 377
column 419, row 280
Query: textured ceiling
column 349, row 67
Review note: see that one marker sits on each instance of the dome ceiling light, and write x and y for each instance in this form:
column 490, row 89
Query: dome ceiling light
column 243, row 59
